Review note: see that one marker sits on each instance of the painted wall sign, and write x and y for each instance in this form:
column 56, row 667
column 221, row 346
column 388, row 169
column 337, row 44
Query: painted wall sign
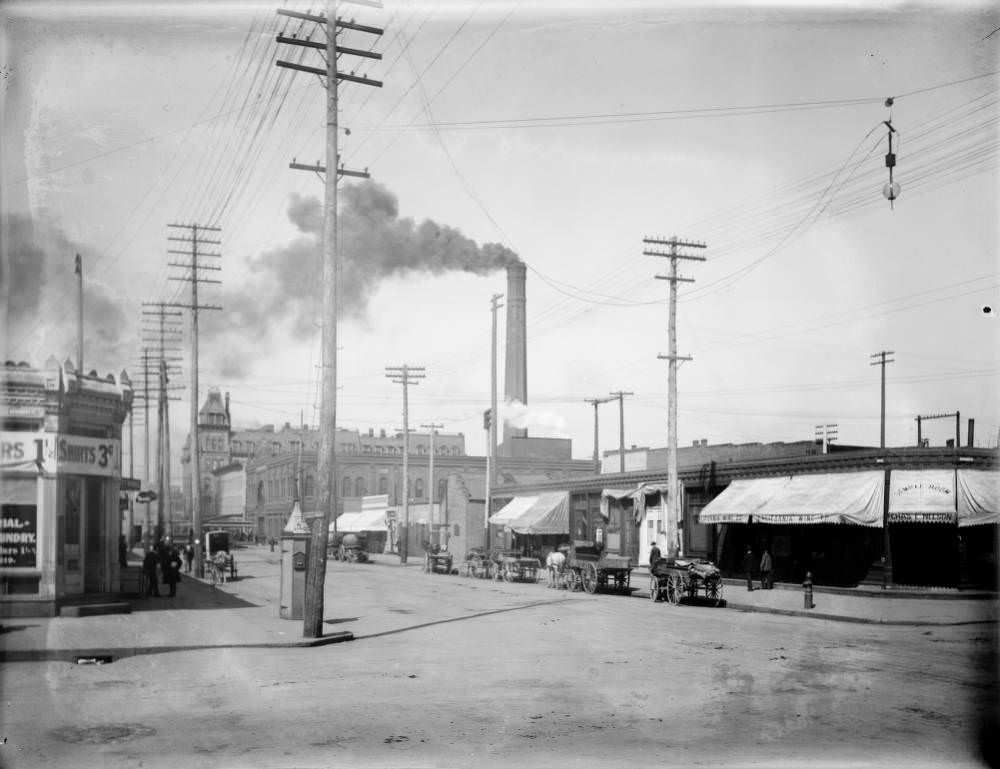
column 48, row 453
column 18, row 535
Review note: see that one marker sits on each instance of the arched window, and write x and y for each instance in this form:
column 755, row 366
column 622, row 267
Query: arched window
column 260, row 492
column 359, row 486
column 383, row 485
column 345, row 487
column 418, row 487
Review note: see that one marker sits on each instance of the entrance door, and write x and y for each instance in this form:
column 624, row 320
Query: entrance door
column 95, row 554
column 70, row 534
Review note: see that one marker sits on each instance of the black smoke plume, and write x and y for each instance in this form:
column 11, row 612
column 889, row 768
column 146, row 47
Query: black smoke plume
column 375, row 243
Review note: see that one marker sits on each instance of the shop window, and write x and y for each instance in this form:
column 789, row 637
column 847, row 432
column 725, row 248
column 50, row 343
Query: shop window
column 19, row 524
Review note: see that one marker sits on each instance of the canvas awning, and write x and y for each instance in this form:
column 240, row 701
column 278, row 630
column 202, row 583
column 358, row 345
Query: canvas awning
column 616, row 494
column 346, row 522
column 513, row 509
column 922, row 496
column 741, row 499
column 854, row 498
column 548, row 515
column 978, row 497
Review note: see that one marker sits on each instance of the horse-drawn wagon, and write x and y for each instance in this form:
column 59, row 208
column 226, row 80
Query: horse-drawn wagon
column 592, row 568
column 674, row 578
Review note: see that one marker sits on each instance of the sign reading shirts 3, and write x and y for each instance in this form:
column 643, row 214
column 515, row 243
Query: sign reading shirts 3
column 48, row 452
column 922, row 496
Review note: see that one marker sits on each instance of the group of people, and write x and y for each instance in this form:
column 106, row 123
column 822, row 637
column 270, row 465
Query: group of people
column 765, row 567
column 162, row 563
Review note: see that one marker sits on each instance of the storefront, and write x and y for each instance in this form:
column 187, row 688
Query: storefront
column 59, row 489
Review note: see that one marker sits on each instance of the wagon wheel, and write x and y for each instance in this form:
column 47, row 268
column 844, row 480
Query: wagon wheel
column 654, row 588
column 590, row 578
column 494, row 571
column 714, row 591
column 508, row 573
column 675, row 587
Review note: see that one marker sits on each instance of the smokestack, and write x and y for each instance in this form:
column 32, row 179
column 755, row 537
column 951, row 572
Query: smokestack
column 516, row 367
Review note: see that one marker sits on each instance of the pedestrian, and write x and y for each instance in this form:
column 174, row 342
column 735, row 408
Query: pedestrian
column 654, row 554
column 188, row 557
column 122, row 552
column 170, row 566
column 765, row 571
column 748, row 564
column 149, row 563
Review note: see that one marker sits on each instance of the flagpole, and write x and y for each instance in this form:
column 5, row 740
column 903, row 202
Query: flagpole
column 79, row 324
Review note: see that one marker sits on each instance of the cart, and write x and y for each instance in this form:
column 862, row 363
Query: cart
column 593, row 570
column 476, row 564
column 438, row 563
column 511, row 566
column 673, row 578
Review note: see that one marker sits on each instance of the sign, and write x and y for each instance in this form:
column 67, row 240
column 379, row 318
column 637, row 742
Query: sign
column 131, row 484
column 13, row 411
column 40, row 452
column 922, row 496
column 18, row 534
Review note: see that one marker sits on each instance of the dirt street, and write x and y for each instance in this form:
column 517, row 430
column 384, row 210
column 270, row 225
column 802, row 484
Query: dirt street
column 472, row 673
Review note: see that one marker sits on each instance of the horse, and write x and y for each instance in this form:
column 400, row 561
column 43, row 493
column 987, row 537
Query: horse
column 555, row 564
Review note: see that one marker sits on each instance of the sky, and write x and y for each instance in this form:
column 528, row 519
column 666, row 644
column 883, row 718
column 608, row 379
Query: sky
column 562, row 134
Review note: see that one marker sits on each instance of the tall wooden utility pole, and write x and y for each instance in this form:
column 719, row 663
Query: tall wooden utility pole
column 881, row 360
column 620, row 395
column 597, row 456
column 405, row 375
column 491, row 449
column 675, row 545
column 164, row 357
column 79, row 320
column 432, row 427
column 192, row 269
column 312, row 624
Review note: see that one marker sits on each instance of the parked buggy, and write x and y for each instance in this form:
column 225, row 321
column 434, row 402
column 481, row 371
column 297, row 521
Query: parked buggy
column 511, row 566
column 476, row 564
column 674, row 578
column 593, row 569
column 437, row 561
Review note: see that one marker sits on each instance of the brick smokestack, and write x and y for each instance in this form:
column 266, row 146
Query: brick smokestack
column 516, row 365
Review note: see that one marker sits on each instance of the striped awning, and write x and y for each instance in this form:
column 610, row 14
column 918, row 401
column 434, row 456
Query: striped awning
column 548, row 515
column 513, row 509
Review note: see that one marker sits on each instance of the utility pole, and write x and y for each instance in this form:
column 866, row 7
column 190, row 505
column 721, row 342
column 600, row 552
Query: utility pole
column 827, row 434
column 675, row 544
column 597, row 456
column 405, row 375
column 194, row 252
column 620, row 395
column 165, row 331
column 312, row 626
column 881, row 361
column 79, row 320
column 432, row 427
column 491, row 449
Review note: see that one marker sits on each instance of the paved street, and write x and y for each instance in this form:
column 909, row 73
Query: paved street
column 449, row 671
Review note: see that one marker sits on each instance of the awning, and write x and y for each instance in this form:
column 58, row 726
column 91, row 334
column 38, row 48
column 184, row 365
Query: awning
column 855, row 498
column 922, row 496
column 513, row 509
column 617, row 495
column 978, row 497
column 741, row 499
column 346, row 522
column 548, row 515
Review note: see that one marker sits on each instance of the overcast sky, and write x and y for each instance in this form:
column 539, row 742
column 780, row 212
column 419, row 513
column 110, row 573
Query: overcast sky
column 564, row 136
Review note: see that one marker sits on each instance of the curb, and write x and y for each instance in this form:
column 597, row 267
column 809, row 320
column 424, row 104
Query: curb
column 857, row 620
column 73, row 655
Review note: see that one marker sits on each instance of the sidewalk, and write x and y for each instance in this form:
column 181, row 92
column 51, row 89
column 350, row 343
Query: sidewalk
column 244, row 614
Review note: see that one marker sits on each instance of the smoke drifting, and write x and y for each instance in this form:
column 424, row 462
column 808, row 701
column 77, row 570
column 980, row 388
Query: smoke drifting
column 375, row 244
column 521, row 416
column 38, row 288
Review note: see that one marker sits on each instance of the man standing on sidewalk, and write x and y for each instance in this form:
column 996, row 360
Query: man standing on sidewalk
column 765, row 571
column 748, row 564
column 149, row 573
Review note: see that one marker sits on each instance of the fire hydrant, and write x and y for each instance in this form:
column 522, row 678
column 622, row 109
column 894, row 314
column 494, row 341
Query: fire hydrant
column 808, row 596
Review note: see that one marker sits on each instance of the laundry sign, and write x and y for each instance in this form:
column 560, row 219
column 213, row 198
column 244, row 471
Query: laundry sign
column 922, row 496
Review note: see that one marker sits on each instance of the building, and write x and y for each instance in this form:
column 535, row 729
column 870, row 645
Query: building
column 923, row 516
column 215, row 451
column 60, row 481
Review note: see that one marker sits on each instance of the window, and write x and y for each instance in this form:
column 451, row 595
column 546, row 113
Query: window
column 359, row 486
column 442, row 488
column 383, row 485
column 260, row 492
column 310, row 484
column 345, row 487
column 419, row 488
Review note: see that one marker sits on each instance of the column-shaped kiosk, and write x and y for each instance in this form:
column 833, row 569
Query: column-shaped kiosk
column 294, row 554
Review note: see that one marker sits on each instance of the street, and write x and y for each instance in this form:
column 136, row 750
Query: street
column 496, row 674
